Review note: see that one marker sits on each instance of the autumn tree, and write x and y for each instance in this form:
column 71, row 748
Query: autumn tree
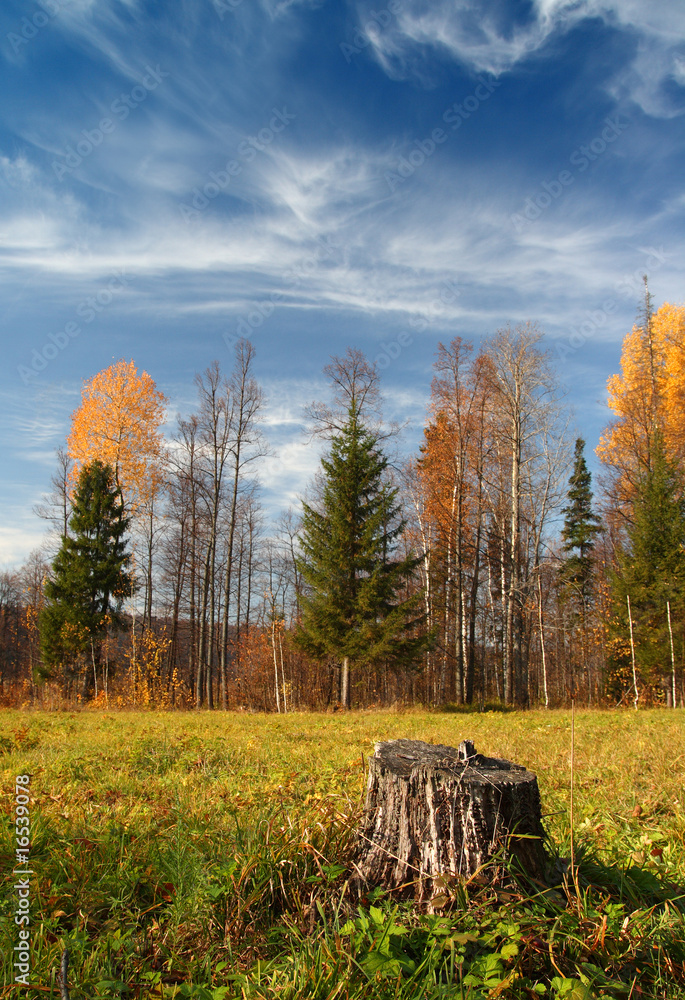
column 643, row 453
column 650, row 571
column 450, row 480
column 12, row 641
column 489, row 476
column 647, row 398
column 90, row 576
column 118, row 422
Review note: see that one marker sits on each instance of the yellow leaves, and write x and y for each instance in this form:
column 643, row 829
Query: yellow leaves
column 669, row 327
column 73, row 632
column 648, row 394
column 146, row 683
column 118, row 422
column 30, row 616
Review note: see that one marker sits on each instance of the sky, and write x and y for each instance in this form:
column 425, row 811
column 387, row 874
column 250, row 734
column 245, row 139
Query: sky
column 318, row 174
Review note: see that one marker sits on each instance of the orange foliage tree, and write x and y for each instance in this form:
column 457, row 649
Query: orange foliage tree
column 450, row 483
column 644, row 452
column 118, row 422
column 648, row 396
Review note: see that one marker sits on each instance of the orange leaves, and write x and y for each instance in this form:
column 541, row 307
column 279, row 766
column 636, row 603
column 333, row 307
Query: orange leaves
column 118, row 422
column 648, row 395
column 146, row 684
column 450, row 454
column 30, row 616
column 669, row 330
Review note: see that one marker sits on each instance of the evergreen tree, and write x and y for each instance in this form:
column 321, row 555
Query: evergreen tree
column 651, row 570
column 90, row 578
column 351, row 609
column 581, row 527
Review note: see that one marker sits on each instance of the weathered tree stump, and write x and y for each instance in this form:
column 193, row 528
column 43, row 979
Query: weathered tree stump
column 433, row 811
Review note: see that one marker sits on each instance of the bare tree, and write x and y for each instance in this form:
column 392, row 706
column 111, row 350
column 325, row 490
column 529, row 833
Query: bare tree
column 524, row 409
column 215, row 425
column 246, row 445
column 353, row 378
column 56, row 506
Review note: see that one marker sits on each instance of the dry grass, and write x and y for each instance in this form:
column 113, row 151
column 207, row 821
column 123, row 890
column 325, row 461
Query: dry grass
column 167, row 844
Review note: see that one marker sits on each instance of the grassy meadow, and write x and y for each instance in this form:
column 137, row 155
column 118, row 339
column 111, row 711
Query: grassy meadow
column 207, row 855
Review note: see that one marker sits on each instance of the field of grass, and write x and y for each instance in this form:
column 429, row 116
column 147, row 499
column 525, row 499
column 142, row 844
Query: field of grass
column 207, row 856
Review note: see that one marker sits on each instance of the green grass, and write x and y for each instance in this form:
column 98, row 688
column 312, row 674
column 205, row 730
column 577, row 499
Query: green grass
column 207, row 855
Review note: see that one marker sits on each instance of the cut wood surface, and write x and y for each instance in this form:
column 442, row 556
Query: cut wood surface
column 434, row 812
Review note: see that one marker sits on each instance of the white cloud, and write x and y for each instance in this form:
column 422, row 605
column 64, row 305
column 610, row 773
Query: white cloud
column 373, row 255
column 328, row 217
column 294, row 459
column 484, row 37
column 20, row 538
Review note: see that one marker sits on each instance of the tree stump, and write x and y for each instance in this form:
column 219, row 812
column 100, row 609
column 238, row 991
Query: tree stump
column 433, row 812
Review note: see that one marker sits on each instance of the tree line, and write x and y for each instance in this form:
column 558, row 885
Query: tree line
column 479, row 571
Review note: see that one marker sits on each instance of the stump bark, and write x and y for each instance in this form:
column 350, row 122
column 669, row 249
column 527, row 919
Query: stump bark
column 434, row 811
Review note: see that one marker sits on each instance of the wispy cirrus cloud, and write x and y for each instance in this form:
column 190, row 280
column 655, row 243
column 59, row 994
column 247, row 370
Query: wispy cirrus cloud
column 373, row 267
column 350, row 225
column 496, row 37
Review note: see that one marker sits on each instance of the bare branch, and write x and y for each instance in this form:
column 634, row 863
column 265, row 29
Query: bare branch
column 354, row 380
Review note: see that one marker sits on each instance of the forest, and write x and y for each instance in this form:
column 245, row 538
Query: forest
column 488, row 569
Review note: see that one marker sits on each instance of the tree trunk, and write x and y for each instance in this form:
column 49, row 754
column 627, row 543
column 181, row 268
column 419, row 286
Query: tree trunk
column 512, row 679
column 473, row 614
column 433, row 813
column 148, row 578
column 227, row 580
column 345, row 682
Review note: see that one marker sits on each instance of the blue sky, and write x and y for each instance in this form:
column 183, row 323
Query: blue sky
column 318, row 175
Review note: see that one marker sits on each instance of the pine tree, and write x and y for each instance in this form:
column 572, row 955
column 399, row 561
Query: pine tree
column 651, row 570
column 351, row 609
column 90, row 578
column 580, row 529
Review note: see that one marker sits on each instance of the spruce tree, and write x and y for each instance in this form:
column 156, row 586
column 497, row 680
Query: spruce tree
column 651, row 570
column 351, row 610
column 580, row 529
column 90, row 578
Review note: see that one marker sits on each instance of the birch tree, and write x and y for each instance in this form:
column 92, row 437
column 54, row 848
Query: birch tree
column 524, row 409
